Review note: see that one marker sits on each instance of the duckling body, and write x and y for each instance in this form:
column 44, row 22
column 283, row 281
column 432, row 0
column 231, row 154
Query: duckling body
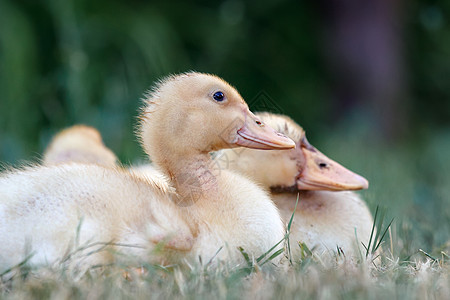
column 59, row 200
column 82, row 144
column 47, row 209
column 228, row 224
column 326, row 217
column 42, row 208
column 327, row 220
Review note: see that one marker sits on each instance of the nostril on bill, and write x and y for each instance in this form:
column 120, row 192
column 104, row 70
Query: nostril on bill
column 323, row 165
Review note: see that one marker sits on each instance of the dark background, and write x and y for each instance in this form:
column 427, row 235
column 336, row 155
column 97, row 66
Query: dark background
column 368, row 80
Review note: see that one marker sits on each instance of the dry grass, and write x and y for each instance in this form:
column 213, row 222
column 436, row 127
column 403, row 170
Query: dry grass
column 311, row 276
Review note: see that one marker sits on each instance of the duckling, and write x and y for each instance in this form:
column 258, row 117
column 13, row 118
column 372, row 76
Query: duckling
column 84, row 144
column 79, row 143
column 328, row 215
column 46, row 211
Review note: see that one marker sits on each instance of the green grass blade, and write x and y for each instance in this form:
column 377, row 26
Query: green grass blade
column 373, row 230
column 277, row 253
column 289, row 230
column 270, row 250
column 245, row 255
column 304, row 250
column 22, row 263
column 428, row 255
column 382, row 237
column 214, row 256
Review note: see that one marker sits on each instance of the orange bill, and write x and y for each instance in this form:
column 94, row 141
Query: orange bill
column 254, row 134
column 321, row 173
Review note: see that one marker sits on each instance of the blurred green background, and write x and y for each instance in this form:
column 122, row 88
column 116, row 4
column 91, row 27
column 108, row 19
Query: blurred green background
column 369, row 81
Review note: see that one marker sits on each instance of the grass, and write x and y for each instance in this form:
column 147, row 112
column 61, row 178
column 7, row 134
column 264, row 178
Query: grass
column 309, row 276
column 377, row 234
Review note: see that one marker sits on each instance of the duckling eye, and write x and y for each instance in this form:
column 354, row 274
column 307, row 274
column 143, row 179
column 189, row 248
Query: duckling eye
column 219, row 96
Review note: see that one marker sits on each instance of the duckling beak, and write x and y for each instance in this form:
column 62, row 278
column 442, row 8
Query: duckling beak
column 254, row 134
column 322, row 173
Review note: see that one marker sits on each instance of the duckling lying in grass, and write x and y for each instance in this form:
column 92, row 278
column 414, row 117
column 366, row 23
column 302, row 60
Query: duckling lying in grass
column 46, row 210
column 327, row 216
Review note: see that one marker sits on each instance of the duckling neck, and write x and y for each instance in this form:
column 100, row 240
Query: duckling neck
column 193, row 177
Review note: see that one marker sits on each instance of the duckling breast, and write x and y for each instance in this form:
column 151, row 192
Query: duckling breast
column 248, row 219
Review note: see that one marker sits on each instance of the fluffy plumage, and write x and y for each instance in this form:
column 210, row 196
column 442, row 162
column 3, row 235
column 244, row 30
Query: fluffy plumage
column 80, row 143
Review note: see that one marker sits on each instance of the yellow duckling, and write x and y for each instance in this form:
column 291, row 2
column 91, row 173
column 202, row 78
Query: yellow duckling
column 79, row 143
column 325, row 218
column 46, row 209
column 84, row 144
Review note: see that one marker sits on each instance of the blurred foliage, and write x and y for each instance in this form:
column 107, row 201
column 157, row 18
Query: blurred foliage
column 66, row 62
column 69, row 62
column 429, row 61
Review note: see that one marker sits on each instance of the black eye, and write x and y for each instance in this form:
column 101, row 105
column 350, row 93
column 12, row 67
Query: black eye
column 219, row 96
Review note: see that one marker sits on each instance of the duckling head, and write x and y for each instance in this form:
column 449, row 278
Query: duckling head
column 79, row 143
column 302, row 168
column 195, row 113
